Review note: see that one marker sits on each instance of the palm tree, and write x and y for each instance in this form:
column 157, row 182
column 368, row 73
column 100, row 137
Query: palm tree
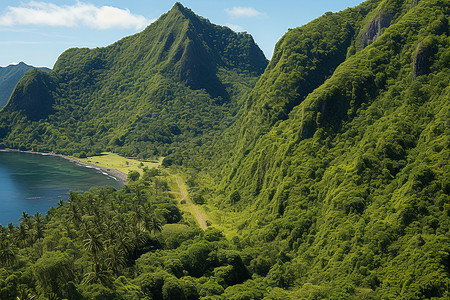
column 11, row 229
column 138, row 215
column 152, row 224
column 103, row 194
column 53, row 296
column 7, row 255
column 138, row 238
column 125, row 244
column 98, row 275
column 24, row 217
column 93, row 245
column 68, row 228
column 115, row 259
column 72, row 197
column 110, row 230
column 25, row 294
column 74, row 214
column 22, row 235
column 38, row 226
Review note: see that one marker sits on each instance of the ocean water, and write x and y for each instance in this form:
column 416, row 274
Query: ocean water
column 34, row 183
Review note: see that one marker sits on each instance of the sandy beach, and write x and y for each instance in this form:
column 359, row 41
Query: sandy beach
column 116, row 174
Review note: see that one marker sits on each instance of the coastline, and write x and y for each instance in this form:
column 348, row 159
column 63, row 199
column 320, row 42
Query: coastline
column 116, row 174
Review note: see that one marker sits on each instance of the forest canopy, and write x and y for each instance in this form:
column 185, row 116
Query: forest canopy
column 326, row 177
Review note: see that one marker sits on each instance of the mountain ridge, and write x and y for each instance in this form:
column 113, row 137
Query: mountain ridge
column 145, row 74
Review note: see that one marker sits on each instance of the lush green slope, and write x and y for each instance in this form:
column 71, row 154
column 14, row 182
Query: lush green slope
column 352, row 187
column 337, row 185
column 167, row 88
column 9, row 76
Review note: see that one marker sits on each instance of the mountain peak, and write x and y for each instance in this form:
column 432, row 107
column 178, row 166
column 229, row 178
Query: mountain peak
column 178, row 6
column 182, row 12
column 178, row 62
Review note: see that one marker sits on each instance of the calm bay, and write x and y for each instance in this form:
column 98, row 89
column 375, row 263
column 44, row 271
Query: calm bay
column 34, row 183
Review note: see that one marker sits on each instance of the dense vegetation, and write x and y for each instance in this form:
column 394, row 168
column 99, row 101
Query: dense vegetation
column 9, row 76
column 333, row 182
column 109, row 244
column 166, row 89
column 353, row 187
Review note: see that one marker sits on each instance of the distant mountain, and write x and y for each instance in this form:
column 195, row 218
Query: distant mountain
column 175, row 84
column 9, row 76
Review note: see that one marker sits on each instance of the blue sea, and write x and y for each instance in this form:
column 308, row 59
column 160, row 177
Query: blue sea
column 34, row 183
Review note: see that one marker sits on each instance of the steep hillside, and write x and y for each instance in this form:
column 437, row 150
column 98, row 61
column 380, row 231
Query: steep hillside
column 168, row 88
column 9, row 76
column 337, row 184
column 347, row 175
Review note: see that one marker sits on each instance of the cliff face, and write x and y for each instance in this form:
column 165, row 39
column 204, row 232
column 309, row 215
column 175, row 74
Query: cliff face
column 373, row 31
column 422, row 56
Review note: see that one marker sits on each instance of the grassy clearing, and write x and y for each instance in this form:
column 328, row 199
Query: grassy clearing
column 114, row 161
column 224, row 220
column 220, row 216
column 185, row 204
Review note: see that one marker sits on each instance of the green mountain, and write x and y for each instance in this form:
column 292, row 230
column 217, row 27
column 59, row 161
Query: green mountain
column 341, row 161
column 329, row 179
column 9, row 76
column 170, row 87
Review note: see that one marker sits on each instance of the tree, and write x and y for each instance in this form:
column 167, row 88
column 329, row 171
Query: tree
column 93, row 245
column 24, row 294
column 152, row 224
column 52, row 271
column 7, row 255
column 235, row 197
column 22, row 235
column 115, row 259
column 25, row 219
column 172, row 289
column 97, row 275
column 133, row 176
column 38, row 226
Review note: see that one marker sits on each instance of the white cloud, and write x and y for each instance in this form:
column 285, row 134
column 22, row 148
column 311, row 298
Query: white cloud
column 243, row 12
column 234, row 27
column 80, row 14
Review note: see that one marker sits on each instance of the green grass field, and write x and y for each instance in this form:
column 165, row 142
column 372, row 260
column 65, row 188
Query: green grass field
column 114, row 161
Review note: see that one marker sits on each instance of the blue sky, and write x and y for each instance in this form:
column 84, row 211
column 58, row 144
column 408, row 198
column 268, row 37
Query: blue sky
column 37, row 32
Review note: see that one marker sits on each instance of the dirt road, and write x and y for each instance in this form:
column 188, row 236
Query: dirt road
column 197, row 215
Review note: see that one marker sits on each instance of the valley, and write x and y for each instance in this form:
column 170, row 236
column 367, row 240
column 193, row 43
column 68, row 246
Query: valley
column 320, row 174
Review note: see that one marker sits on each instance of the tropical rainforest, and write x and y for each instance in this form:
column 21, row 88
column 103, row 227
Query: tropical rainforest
column 325, row 171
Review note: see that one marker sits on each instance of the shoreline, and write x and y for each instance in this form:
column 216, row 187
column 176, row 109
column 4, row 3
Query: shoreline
column 116, row 174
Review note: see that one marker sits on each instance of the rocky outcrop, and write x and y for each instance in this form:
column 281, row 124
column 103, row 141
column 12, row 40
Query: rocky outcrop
column 373, row 30
column 422, row 57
